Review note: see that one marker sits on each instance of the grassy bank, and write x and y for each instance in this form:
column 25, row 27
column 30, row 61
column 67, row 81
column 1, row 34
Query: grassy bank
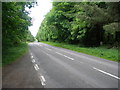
column 11, row 54
column 102, row 51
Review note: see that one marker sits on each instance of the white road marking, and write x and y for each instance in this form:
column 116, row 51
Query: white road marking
column 33, row 60
column 106, row 73
column 58, row 53
column 48, row 49
column 65, row 56
column 31, row 56
column 42, row 80
column 68, row 57
column 36, row 67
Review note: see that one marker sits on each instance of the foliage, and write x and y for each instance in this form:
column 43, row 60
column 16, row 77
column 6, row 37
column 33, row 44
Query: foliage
column 15, row 22
column 13, row 53
column 78, row 23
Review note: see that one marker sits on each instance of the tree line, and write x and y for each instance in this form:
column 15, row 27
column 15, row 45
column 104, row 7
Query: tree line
column 87, row 23
column 15, row 22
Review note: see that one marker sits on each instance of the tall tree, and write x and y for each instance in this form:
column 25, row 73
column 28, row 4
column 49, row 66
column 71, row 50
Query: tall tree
column 78, row 23
column 15, row 22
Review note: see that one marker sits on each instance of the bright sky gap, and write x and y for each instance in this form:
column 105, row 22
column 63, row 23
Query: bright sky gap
column 37, row 14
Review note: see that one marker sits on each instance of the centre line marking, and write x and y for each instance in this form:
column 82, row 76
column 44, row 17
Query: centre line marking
column 68, row 57
column 106, row 73
column 58, row 53
column 65, row 56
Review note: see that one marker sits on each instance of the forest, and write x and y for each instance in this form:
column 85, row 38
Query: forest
column 83, row 23
column 15, row 22
column 15, row 33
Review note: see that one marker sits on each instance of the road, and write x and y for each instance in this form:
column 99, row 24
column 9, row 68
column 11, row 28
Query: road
column 62, row 68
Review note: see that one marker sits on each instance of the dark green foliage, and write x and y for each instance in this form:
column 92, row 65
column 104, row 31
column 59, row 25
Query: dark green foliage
column 11, row 54
column 81, row 23
column 15, row 22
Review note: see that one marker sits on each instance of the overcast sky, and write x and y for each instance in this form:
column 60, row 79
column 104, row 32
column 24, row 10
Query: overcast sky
column 37, row 14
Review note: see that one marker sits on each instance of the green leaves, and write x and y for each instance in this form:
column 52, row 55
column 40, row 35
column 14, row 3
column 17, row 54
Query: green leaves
column 80, row 22
column 15, row 22
column 110, row 30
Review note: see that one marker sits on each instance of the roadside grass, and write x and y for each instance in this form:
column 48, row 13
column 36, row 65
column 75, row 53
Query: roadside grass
column 11, row 54
column 102, row 51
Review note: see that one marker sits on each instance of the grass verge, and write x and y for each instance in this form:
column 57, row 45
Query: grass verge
column 102, row 51
column 13, row 53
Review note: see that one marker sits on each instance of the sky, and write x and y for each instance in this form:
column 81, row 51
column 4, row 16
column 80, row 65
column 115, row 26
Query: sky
column 37, row 14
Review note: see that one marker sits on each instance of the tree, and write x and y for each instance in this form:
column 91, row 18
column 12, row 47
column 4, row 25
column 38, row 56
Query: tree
column 78, row 23
column 15, row 22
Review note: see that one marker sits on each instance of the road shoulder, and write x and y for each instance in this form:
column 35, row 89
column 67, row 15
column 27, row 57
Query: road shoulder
column 20, row 74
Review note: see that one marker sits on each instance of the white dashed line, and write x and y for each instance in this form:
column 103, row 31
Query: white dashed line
column 33, row 60
column 58, row 53
column 65, row 56
column 31, row 56
column 68, row 57
column 106, row 73
column 42, row 80
column 36, row 67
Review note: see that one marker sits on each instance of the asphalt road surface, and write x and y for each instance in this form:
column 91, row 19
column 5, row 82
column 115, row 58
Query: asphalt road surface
column 62, row 68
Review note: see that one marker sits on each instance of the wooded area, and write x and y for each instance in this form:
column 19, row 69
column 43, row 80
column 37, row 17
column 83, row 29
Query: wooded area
column 87, row 23
column 15, row 22
column 15, row 33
